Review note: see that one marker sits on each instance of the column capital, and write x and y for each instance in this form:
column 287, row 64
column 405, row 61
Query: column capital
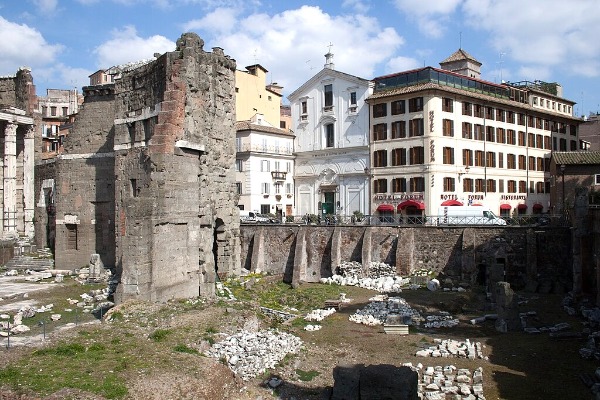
column 11, row 129
column 29, row 133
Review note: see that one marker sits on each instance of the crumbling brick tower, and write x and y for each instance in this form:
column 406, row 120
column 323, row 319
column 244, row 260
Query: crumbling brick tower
column 174, row 191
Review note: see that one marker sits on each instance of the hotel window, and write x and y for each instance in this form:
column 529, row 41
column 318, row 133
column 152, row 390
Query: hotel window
column 512, row 186
column 467, row 185
column 417, row 184
column 288, row 188
column 539, row 142
column 265, row 188
column 277, row 165
column 379, row 110
column 500, row 185
column 521, row 138
column 416, row 127
column 531, row 140
column 398, row 107
column 448, row 155
column 490, row 135
column 573, row 145
column 478, row 111
column 547, row 142
column 415, row 104
column 489, row 113
column 398, row 129
column 467, row 108
column 531, row 163
column 417, row 155
column 479, row 158
column 531, row 122
column 539, row 123
column 563, row 144
column 491, row 185
column 238, row 187
column 500, row 160
column 500, row 115
column 573, row 130
column 380, row 158
column 352, row 98
column 379, row 132
column 448, row 127
column 511, row 117
column 511, row 161
column 53, row 111
column 304, row 108
column 511, row 137
column 380, row 186
column 447, row 104
column 449, row 184
column 531, row 187
column 467, row 157
column 399, row 185
column 398, row 156
column 467, row 130
column 479, row 185
column 522, row 187
column 65, row 110
column 539, row 187
column 500, row 135
column 491, row 159
column 239, row 165
column 328, row 92
column 522, row 162
column 277, row 186
column 521, row 119
column 478, row 133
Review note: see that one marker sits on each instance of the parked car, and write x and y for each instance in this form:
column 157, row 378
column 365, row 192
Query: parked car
column 250, row 217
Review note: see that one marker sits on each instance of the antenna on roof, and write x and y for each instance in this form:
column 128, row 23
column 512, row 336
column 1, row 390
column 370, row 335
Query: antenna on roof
column 255, row 55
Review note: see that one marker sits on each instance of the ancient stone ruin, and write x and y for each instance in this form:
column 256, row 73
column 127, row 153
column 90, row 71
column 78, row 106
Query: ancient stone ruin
column 145, row 178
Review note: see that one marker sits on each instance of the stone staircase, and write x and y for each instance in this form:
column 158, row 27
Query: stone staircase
column 27, row 256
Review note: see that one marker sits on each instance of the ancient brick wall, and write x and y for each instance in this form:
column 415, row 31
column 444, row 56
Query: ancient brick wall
column 19, row 91
column 175, row 198
column 84, row 185
column 462, row 254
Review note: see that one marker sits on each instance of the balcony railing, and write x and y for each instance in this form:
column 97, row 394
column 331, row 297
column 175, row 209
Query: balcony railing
column 278, row 175
column 247, row 147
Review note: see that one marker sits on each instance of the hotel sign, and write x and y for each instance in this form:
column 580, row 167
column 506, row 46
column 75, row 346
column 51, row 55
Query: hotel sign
column 513, row 197
column 400, row 196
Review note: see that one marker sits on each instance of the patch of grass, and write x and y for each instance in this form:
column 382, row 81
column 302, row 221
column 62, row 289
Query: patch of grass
column 211, row 330
column 159, row 335
column 307, row 376
column 65, row 350
column 182, row 348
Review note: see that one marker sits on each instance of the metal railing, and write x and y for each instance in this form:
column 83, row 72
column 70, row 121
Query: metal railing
column 535, row 220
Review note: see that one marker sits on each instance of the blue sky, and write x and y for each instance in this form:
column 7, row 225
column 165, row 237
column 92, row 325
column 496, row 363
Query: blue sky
column 64, row 41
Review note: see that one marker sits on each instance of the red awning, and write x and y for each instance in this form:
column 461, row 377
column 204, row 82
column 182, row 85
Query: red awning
column 385, row 207
column 522, row 206
column 411, row 203
column 477, row 205
column 505, row 206
column 538, row 206
column 452, row 203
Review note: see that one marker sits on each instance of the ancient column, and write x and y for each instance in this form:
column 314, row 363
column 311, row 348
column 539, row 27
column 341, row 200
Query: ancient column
column 10, row 178
column 28, row 181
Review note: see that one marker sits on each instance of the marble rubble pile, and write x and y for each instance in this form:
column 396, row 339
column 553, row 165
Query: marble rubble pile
column 437, row 383
column 17, row 326
column 443, row 320
column 249, row 354
column 454, row 348
column 376, row 312
column 374, row 276
column 317, row 315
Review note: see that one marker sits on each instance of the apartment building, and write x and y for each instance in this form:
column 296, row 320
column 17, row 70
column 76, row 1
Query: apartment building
column 57, row 109
column 264, row 151
column 331, row 122
column 442, row 136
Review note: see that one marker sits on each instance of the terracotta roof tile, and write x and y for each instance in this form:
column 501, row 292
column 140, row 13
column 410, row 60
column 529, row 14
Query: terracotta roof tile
column 246, row 126
column 458, row 55
column 576, row 157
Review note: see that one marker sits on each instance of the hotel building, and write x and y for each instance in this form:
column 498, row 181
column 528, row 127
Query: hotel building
column 446, row 137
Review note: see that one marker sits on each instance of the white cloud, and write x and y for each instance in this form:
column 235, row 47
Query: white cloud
column 24, row 46
column 399, row 64
column 62, row 77
column 126, row 46
column 46, row 6
column 553, row 33
column 292, row 44
column 358, row 6
column 431, row 17
column 221, row 20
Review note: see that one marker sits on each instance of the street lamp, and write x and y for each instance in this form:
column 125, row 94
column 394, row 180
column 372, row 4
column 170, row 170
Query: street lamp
column 562, row 172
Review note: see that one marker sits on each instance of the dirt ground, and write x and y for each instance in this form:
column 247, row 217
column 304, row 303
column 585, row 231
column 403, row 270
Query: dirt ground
column 520, row 366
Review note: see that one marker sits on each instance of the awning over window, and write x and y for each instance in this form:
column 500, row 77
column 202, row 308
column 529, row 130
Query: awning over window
column 505, row 206
column 452, row 203
column 411, row 203
column 522, row 206
column 385, row 207
column 538, row 206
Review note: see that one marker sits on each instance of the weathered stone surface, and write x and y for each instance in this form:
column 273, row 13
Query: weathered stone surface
column 507, row 308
